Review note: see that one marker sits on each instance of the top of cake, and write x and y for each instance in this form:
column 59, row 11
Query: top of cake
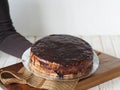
column 62, row 48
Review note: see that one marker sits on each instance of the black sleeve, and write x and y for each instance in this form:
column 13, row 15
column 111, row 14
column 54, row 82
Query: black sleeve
column 11, row 42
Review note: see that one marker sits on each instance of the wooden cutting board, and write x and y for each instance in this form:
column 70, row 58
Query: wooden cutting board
column 109, row 68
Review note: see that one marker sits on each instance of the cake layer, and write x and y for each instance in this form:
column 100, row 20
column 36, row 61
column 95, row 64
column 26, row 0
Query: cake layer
column 73, row 69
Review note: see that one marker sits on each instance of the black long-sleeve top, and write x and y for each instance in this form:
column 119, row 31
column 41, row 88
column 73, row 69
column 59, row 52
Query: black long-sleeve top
column 11, row 42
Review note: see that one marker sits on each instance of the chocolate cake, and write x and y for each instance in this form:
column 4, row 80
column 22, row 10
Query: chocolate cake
column 61, row 56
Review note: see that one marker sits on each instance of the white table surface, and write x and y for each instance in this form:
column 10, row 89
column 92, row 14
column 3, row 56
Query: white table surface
column 106, row 44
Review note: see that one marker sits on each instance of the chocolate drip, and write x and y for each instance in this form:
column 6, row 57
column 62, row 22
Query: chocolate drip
column 59, row 74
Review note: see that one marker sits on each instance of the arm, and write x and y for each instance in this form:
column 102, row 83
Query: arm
column 11, row 42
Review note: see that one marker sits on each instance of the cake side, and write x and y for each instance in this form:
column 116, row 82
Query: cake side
column 55, row 70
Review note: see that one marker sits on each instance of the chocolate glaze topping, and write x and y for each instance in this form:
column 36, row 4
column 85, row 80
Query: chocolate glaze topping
column 62, row 48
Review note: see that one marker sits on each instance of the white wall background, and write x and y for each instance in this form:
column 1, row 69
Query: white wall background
column 76, row 17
